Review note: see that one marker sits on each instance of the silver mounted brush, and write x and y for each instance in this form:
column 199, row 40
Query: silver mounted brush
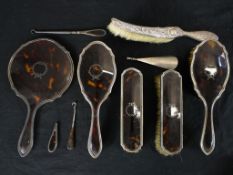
column 131, row 110
column 165, row 62
column 210, row 71
column 155, row 34
column 169, row 130
column 96, row 75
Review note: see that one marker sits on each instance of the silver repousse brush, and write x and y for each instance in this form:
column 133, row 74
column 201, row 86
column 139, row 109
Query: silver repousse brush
column 155, row 34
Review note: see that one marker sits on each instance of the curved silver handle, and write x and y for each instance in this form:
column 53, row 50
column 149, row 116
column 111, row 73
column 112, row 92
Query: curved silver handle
column 201, row 35
column 94, row 144
column 25, row 142
column 207, row 142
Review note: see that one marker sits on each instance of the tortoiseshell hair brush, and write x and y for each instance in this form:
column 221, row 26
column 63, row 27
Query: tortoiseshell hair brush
column 210, row 72
column 169, row 128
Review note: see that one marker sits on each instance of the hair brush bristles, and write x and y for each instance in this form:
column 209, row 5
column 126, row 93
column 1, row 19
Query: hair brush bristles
column 190, row 58
column 117, row 31
column 158, row 131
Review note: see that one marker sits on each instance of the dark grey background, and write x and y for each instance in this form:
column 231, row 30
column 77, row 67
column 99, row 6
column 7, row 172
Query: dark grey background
column 17, row 18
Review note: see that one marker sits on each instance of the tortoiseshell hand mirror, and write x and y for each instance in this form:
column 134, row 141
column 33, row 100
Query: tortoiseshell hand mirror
column 210, row 71
column 96, row 75
column 39, row 72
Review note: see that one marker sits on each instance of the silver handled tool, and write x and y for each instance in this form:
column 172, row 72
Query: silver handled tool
column 53, row 141
column 71, row 138
column 93, row 32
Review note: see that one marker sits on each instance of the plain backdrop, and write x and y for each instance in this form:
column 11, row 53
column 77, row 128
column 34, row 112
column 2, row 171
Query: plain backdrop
column 17, row 18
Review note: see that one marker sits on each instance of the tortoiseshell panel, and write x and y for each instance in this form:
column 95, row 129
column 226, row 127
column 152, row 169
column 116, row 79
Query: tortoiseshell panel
column 172, row 112
column 210, row 73
column 210, row 55
column 41, row 70
column 131, row 110
column 96, row 73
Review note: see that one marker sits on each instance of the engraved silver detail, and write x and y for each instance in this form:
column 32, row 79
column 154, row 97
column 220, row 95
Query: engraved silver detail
column 173, row 112
column 95, row 71
column 132, row 110
column 210, row 72
column 40, row 73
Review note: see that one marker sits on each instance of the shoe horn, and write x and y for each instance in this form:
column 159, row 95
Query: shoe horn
column 165, row 62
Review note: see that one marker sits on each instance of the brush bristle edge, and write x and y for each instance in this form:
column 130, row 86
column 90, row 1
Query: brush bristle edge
column 158, row 123
column 117, row 31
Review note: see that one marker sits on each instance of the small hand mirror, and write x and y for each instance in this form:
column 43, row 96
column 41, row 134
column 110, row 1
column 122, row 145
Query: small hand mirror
column 39, row 72
column 96, row 76
column 210, row 71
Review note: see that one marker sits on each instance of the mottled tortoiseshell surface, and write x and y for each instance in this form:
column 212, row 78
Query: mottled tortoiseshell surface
column 95, row 88
column 57, row 76
column 96, row 72
column 131, row 126
column 172, row 127
column 210, row 54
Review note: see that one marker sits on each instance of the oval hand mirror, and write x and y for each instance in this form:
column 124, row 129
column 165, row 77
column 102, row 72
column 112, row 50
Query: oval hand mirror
column 96, row 75
column 39, row 72
column 210, row 71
